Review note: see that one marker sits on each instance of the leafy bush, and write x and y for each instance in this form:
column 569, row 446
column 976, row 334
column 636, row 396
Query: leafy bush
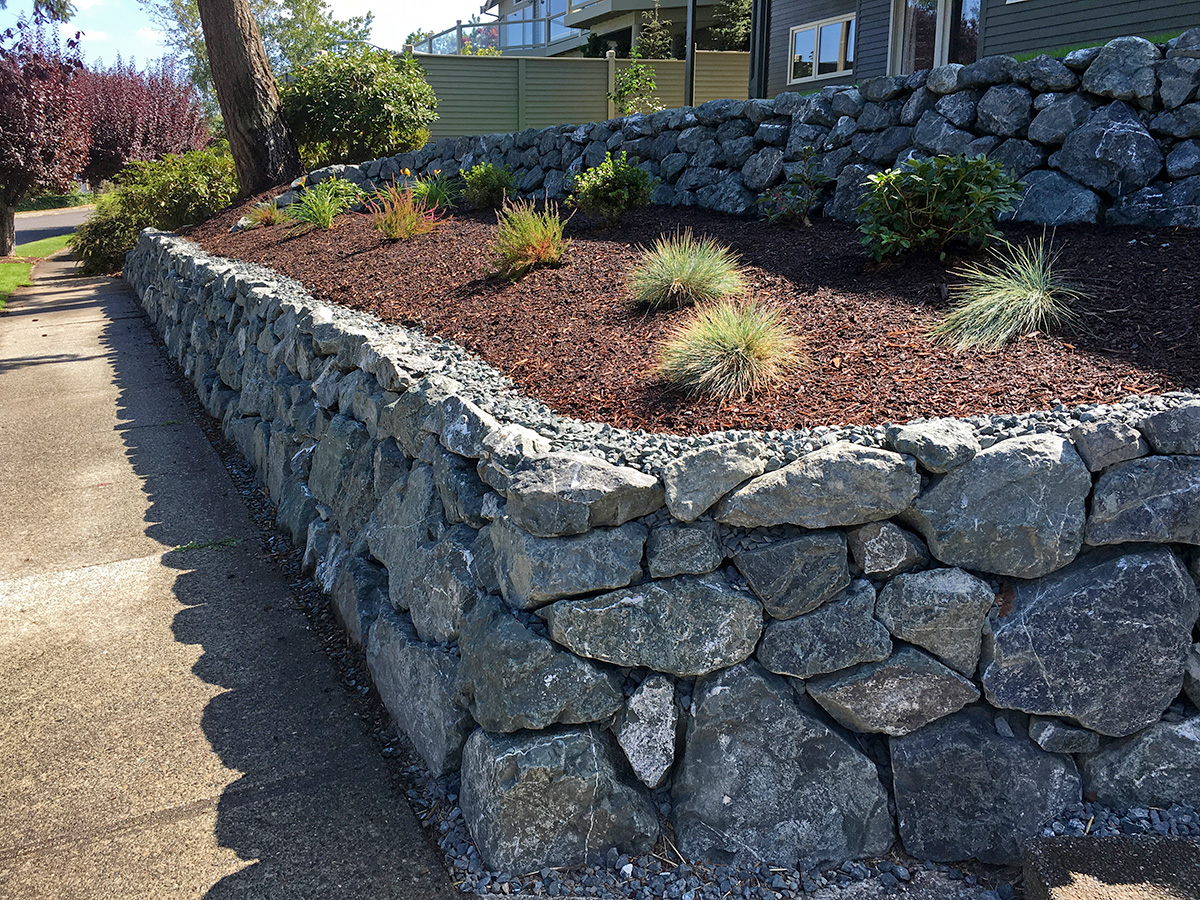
column 358, row 103
column 527, row 239
column 612, row 188
column 167, row 194
column 267, row 214
column 730, row 349
column 55, row 201
column 927, row 203
column 436, row 190
column 1016, row 294
column 320, row 204
column 682, row 270
column 399, row 213
column 633, row 91
column 486, row 186
column 796, row 198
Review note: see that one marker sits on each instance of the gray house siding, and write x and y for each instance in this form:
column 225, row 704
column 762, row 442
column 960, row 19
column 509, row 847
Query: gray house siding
column 874, row 24
column 1048, row 24
column 785, row 16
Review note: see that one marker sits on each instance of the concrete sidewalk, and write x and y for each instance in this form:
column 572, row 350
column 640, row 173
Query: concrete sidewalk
column 169, row 727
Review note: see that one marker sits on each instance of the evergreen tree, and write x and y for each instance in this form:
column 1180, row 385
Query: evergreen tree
column 731, row 26
column 654, row 37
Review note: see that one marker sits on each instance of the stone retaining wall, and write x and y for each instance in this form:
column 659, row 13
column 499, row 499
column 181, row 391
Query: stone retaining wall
column 799, row 646
column 1107, row 134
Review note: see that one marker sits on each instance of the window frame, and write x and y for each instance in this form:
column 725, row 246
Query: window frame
column 815, row 27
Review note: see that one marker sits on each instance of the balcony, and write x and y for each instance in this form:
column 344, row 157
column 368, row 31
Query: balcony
column 591, row 13
column 544, row 36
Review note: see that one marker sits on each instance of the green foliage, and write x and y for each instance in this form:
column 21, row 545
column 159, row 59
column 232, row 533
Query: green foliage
column 486, row 186
column 266, row 215
column 729, row 350
column 319, row 205
column 1016, row 294
column 399, row 213
column 634, row 90
column 731, row 26
column 927, row 203
column 654, row 37
column 167, row 193
column 527, row 239
column 55, row 201
column 12, row 276
column 43, row 248
column 612, row 188
column 358, row 103
column 595, row 47
column 682, row 270
column 796, row 198
column 436, row 190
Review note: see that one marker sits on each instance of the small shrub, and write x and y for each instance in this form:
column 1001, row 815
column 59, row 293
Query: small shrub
column 927, row 203
column 634, row 89
column 436, row 190
column 1015, row 295
column 320, row 204
column 729, row 350
column 527, row 239
column 795, row 199
column 266, row 215
column 486, row 186
column 612, row 188
column 400, row 214
column 683, row 270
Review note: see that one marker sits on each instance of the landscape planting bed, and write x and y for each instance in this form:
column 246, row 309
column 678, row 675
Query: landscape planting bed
column 574, row 339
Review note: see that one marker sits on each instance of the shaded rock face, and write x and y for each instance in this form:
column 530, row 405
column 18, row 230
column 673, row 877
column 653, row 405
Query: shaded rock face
column 941, row 610
column 796, row 575
column 680, row 626
column 881, row 550
column 903, row 693
column 538, row 684
column 443, row 584
column 1054, row 199
column 1059, row 737
column 1015, row 509
column 697, row 480
column 359, row 592
column 646, row 729
column 1153, row 499
column 345, row 457
column 1111, row 152
column 1174, row 431
column 1156, row 767
column 841, row 633
column 842, row 484
column 760, row 780
column 1191, row 675
column 963, row 791
column 408, row 516
column 551, row 799
column 1109, row 618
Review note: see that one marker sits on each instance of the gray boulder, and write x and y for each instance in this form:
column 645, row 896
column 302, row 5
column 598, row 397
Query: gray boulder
column 921, row 102
column 443, row 584
column 1154, row 499
column 418, row 683
column 507, row 447
column 1103, row 444
column 1005, row 110
column 1174, row 431
column 1045, row 73
column 762, row 781
column 935, row 134
column 464, row 427
column 959, row 108
column 1056, row 736
column 728, row 195
column 459, row 487
column 1158, row 767
column 537, row 685
column 1178, row 80
column 1163, row 204
column 695, row 480
column 646, row 729
column 1181, row 122
column 988, row 71
column 763, row 170
column 1054, row 122
column 964, row 791
column 941, row 610
column 533, row 571
column 840, row 634
column 897, row 696
column 408, row 516
column 682, row 550
column 551, row 799
column 796, row 575
column 980, row 515
column 939, row 446
column 1111, row 152
column 881, row 550
column 841, row 484
column 359, row 591
column 1124, row 69
column 342, row 474
column 1109, row 618
column 1184, row 159
column 1191, row 675
column 680, row 626
column 1079, row 60
column 1051, row 198
column 418, row 412
column 1019, row 157
column 946, row 79
column 882, row 148
column 570, row 493
column 850, row 192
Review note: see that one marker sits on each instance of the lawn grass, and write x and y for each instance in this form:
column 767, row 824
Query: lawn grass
column 1060, row 52
column 16, row 274
column 42, row 248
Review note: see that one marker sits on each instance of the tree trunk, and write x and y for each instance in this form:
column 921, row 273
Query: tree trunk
column 8, row 228
column 263, row 149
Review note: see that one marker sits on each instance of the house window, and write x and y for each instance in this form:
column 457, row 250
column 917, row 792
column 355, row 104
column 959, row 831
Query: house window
column 928, row 33
column 821, row 50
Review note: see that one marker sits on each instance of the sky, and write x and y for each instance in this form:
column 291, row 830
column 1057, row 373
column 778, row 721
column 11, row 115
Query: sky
column 121, row 26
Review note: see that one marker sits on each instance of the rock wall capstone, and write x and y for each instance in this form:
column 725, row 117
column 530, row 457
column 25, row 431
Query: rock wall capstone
column 800, row 646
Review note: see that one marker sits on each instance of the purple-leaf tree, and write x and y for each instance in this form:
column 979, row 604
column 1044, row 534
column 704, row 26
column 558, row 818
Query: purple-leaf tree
column 44, row 135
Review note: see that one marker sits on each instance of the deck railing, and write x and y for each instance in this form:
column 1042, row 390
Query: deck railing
column 500, row 34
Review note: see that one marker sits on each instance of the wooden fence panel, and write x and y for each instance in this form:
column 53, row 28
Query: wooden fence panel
column 560, row 91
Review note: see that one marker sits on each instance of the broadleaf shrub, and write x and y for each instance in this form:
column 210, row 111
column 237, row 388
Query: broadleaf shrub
column 682, row 269
column 527, row 238
column 400, row 213
column 928, row 203
column 169, row 193
column 486, row 186
column 358, row 103
column 612, row 188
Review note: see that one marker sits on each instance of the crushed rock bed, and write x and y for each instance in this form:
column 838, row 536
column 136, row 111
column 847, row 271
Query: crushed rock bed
column 572, row 337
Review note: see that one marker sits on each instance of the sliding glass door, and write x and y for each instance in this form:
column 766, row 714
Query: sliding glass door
column 928, row 33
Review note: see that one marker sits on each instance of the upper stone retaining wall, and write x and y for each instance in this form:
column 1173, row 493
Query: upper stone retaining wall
column 801, row 644
column 1110, row 134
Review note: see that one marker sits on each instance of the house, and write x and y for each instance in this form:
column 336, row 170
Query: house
column 804, row 45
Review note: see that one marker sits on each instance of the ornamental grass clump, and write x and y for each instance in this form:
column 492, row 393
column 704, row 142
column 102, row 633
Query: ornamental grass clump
column 486, row 186
column 527, row 238
column 730, row 349
column 1017, row 294
column 266, row 215
column 682, row 270
column 399, row 214
column 320, row 204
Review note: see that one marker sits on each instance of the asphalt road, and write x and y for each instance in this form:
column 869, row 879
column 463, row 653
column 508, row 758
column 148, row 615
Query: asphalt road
column 35, row 226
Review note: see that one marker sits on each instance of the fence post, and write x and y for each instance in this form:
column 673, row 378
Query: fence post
column 611, row 57
column 520, row 93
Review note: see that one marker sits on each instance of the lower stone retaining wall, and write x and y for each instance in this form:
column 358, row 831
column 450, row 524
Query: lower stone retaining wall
column 1108, row 134
column 799, row 646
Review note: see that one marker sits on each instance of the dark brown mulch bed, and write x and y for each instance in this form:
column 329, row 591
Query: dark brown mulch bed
column 572, row 337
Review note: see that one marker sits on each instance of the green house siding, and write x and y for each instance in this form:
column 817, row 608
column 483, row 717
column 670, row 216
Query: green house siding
column 1031, row 25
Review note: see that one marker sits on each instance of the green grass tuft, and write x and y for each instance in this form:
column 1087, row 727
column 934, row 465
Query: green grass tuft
column 730, row 349
column 682, row 270
column 398, row 213
column 318, row 206
column 436, row 191
column 266, row 215
column 527, row 239
column 12, row 276
column 1014, row 295
column 43, row 248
